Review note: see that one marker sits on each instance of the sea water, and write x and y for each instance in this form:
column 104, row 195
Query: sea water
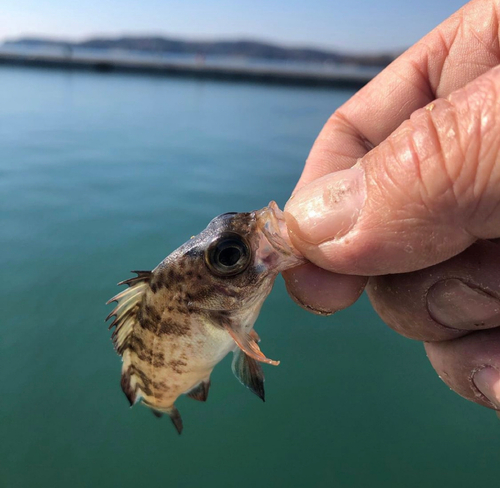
column 104, row 173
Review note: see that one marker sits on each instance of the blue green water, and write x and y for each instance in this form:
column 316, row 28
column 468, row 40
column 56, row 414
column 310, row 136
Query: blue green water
column 101, row 174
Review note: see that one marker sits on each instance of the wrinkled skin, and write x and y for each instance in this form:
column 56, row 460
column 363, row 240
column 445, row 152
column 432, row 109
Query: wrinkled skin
column 402, row 185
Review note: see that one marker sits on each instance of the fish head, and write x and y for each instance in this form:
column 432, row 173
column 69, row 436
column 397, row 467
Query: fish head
column 232, row 264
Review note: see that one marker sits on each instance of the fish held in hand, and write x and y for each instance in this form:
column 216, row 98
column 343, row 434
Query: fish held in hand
column 172, row 325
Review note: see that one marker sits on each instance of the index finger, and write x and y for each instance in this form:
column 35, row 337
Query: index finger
column 456, row 52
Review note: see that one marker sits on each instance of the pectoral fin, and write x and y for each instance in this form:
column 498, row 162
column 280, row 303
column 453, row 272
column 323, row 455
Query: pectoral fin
column 249, row 346
column 249, row 373
column 253, row 334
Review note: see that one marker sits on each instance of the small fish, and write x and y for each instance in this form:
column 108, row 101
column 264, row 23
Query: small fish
column 175, row 323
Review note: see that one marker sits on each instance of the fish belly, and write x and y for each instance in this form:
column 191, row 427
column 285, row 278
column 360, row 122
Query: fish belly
column 169, row 365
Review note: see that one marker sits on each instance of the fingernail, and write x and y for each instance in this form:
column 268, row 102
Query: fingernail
column 327, row 208
column 487, row 381
column 306, row 289
column 454, row 304
column 309, row 308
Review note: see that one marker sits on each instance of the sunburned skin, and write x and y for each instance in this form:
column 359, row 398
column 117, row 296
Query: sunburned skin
column 175, row 323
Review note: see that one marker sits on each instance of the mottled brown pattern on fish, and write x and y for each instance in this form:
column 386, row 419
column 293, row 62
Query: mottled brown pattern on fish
column 174, row 320
column 143, row 383
column 176, row 365
column 151, row 312
column 145, row 321
column 172, row 327
column 161, row 385
column 160, row 360
column 143, row 352
column 154, row 381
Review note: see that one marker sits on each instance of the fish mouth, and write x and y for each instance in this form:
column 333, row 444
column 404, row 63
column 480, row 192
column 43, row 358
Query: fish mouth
column 278, row 252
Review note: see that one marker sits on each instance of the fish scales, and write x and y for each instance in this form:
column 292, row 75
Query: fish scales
column 175, row 323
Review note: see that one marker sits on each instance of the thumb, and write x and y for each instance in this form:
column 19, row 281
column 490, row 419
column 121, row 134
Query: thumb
column 422, row 196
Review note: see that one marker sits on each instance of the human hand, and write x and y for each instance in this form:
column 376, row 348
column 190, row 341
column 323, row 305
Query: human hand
column 403, row 185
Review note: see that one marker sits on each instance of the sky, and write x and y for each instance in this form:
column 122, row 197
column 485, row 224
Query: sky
column 352, row 25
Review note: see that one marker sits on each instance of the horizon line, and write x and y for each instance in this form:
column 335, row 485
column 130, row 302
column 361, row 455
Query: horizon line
column 249, row 38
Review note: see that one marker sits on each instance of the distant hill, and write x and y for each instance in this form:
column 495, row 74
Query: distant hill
column 243, row 48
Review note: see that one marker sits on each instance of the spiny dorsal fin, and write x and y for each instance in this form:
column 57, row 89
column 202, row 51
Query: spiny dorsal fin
column 141, row 276
column 248, row 345
column 249, row 373
column 200, row 391
column 125, row 312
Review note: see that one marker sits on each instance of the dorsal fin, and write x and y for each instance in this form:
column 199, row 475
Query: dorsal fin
column 125, row 312
column 200, row 391
column 249, row 373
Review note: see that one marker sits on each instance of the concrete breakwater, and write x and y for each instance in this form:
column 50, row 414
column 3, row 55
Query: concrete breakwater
column 195, row 69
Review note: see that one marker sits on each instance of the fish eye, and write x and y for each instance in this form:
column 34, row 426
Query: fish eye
column 228, row 255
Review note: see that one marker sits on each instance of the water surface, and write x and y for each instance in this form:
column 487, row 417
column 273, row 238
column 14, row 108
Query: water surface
column 104, row 173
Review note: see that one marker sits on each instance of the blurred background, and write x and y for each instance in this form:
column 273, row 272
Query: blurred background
column 104, row 171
